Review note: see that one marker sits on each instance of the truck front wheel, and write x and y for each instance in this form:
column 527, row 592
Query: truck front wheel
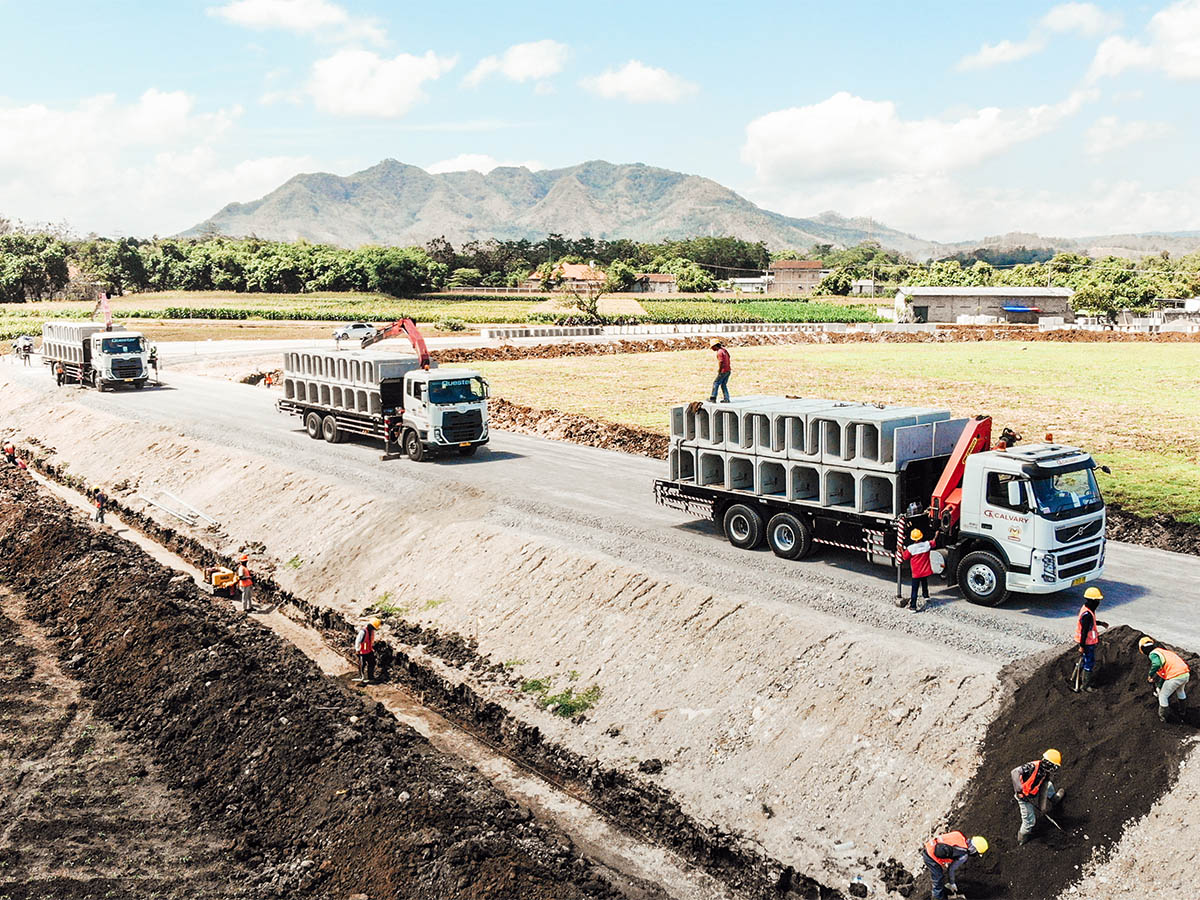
column 788, row 536
column 312, row 424
column 743, row 526
column 982, row 578
column 413, row 446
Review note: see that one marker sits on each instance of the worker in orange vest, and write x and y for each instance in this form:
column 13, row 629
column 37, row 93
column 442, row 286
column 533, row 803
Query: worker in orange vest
column 1032, row 785
column 1087, row 636
column 1168, row 673
column 944, row 856
column 245, row 582
column 60, row 374
column 10, row 453
column 364, row 646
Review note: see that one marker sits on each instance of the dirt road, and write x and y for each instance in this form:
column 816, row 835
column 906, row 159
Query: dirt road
column 602, row 500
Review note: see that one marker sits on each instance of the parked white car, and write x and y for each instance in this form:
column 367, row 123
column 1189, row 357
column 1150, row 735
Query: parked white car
column 355, row 331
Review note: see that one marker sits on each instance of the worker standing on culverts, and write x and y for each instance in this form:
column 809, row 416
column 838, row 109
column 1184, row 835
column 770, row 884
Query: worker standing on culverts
column 1034, row 792
column 245, row 583
column 1168, row 673
column 364, row 646
column 944, row 855
column 1087, row 636
column 721, row 382
column 917, row 556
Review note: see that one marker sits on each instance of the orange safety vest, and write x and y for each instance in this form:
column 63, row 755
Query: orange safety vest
column 950, row 838
column 368, row 641
column 1092, row 636
column 1173, row 665
column 244, row 579
column 1032, row 786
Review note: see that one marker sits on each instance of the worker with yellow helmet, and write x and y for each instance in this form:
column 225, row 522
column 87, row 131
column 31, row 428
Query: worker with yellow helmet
column 364, row 647
column 943, row 857
column 1169, row 675
column 1087, row 636
column 1034, row 791
column 916, row 554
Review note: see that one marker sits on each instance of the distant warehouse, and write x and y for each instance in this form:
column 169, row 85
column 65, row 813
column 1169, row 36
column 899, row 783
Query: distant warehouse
column 1018, row 305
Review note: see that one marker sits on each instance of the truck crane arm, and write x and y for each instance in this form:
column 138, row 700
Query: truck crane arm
column 407, row 327
column 946, row 504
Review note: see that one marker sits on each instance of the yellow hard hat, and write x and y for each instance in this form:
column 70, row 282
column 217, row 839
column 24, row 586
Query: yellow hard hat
column 980, row 844
column 1146, row 644
column 376, row 623
column 1093, row 593
column 1053, row 756
column 916, row 534
column 715, row 344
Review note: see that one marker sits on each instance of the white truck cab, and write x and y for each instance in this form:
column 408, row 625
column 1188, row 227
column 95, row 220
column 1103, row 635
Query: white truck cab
column 446, row 408
column 1036, row 510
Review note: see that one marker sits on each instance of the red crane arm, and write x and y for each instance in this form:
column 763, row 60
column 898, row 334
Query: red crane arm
column 947, row 495
column 409, row 329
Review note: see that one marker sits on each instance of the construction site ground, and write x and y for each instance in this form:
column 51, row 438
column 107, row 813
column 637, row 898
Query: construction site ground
column 788, row 710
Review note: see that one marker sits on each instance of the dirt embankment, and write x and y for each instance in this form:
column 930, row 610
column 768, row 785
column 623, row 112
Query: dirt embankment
column 1118, row 761
column 323, row 794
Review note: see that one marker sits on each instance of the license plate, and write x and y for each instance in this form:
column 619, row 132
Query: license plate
column 129, row 379
column 465, row 444
column 1080, row 580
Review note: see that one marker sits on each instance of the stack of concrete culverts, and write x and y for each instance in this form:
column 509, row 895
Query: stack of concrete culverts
column 825, row 453
column 346, row 380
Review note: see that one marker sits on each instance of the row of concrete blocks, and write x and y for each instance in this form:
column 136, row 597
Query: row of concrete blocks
column 337, row 396
column 348, row 368
column 818, row 431
column 547, row 331
column 833, row 487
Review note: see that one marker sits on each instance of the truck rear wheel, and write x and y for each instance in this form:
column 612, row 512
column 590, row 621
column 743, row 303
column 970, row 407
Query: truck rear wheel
column 743, row 526
column 413, row 446
column 312, row 424
column 983, row 579
column 330, row 430
column 789, row 537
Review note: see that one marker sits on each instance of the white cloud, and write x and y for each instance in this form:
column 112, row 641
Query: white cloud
column 1108, row 133
column 1085, row 19
column 317, row 17
column 476, row 162
column 847, row 136
column 1171, row 45
column 532, row 61
column 362, row 83
column 151, row 166
column 639, row 83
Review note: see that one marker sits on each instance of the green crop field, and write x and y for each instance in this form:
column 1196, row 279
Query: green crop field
column 1136, row 406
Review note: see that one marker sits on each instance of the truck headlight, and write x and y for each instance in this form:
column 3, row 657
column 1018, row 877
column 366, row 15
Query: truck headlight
column 437, row 435
column 1049, row 568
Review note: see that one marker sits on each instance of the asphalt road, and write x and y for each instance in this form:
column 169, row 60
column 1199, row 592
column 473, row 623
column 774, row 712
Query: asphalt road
column 602, row 502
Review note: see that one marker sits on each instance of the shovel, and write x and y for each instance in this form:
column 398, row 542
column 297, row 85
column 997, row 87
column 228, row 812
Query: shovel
column 1052, row 822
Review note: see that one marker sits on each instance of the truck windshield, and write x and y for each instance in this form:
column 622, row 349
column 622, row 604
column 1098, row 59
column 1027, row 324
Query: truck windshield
column 456, row 390
column 123, row 345
column 1068, row 494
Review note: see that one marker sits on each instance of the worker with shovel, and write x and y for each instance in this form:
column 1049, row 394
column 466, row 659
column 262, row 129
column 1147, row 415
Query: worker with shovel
column 1034, row 792
column 943, row 857
column 1168, row 673
column 1087, row 636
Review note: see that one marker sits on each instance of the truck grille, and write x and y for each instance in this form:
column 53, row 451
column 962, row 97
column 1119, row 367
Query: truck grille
column 1068, row 534
column 464, row 426
column 127, row 368
column 1078, row 562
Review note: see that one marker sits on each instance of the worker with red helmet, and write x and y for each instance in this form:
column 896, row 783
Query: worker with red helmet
column 944, row 855
column 1168, row 673
column 1034, row 791
column 245, row 582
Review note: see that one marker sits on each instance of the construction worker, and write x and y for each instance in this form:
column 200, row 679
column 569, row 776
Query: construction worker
column 1168, row 673
column 721, row 382
column 1034, row 791
column 100, row 500
column 944, row 856
column 1087, row 637
column 917, row 556
column 364, row 646
column 152, row 359
column 60, row 374
column 245, row 582
column 10, row 453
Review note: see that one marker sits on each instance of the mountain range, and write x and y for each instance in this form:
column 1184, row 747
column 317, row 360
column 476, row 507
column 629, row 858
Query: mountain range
column 392, row 203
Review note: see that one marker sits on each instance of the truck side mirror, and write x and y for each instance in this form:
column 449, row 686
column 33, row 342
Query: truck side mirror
column 1016, row 495
column 1106, row 470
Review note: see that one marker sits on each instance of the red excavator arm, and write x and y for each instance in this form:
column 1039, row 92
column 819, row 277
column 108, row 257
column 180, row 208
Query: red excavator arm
column 408, row 328
column 947, row 495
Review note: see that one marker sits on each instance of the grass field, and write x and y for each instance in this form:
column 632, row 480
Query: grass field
column 1136, row 406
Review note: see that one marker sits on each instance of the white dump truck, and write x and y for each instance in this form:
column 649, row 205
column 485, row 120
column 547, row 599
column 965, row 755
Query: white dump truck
column 804, row 472
column 399, row 398
column 95, row 354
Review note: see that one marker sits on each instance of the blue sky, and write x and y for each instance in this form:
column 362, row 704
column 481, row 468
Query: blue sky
column 952, row 120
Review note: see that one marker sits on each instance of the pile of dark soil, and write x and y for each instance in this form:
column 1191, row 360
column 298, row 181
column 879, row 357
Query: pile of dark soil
column 1118, row 759
column 322, row 793
column 1159, row 531
column 577, row 429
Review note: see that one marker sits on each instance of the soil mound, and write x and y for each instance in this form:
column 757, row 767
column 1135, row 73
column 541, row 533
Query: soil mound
column 322, row 792
column 1118, row 759
column 577, row 429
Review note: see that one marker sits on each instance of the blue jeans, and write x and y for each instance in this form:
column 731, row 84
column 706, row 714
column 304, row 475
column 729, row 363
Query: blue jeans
column 1029, row 810
column 721, row 382
column 936, row 874
column 1089, row 657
